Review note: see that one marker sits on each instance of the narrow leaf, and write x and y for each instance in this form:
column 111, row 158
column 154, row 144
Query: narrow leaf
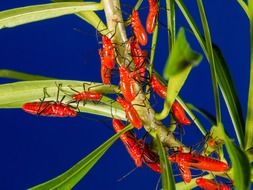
column 168, row 182
column 229, row 94
column 71, row 177
column 180, row 61
column 10, row 74
column 240, row 165
column 223, row 75
column 23, row 15
column 181, row 58
column 249, row 119
column 92, row 18
column 203, row 112
column 210, row 58
column 244, row 7
column 14, row 95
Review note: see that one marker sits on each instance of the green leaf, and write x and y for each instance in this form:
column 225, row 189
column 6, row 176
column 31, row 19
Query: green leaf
column 210, row 58
column 251, row 178
column 240, row 164
column 203, row 112
column 23, row 15
column 182, row 57
column 249, row 153
column 178, row 67
column 224, row 78
column 71, row 177
column 10, row 74
column 249, row 119
column 14, row 95
column 168, row 182
column 229, row 94
column 244, row 6
column 92, row 18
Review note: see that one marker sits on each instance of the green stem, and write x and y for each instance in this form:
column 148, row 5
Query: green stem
column 244, row 7
column 140, row 103
column 171, row 21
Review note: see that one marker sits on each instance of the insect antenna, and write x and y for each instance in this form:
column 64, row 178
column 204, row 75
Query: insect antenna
column 127, row 174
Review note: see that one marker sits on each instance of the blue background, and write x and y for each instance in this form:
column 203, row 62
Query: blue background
column 36, row 149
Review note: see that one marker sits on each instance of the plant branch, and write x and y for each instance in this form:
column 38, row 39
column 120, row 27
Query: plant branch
column 140, row 103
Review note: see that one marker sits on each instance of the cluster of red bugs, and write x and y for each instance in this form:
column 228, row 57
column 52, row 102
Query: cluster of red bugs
column 140, row 151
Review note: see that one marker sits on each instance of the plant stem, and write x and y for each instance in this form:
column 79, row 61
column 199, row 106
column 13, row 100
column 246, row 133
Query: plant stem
column 170, row 7
column 140, row 103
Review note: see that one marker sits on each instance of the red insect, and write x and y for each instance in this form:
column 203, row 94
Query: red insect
column 139, row 57
column 133, row 146
column 151, row 159
column 49, row 108
column 138, row 28
column 131, row 113
column 199, row 162
column 208, row 184
column 185, row 172
column 137, row 53
column 105, row 71
column 107, row 52
column 138, row 150
column 127, row 84
column 176, row 109
column 179, row 114
column 87, row 95
column 152, row 16
column 105, row 75
column 158, row 87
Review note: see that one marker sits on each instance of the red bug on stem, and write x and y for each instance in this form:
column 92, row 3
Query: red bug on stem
column 137, row 53
column 127, row 84
column 107, row 57
column 87, row 95
column 131, row 113
column 199, row 162
column 151, row 159
column 132, row 145
column 179, row 114
column 49, row 108
column 176, row 109
column 152, row 16
column 107, row 52
column 138, row 150
column 139, row 56
column 105, row 73
column 208, row 184
column 138, row 28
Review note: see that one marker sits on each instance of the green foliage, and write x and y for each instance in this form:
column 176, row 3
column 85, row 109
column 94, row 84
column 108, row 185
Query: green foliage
column 223, row 76
column 249, row 119
column 72, row 176
column 240, row 165
column 180, row 61
column 177, row 68
column 168, row 182
column 19, row 16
